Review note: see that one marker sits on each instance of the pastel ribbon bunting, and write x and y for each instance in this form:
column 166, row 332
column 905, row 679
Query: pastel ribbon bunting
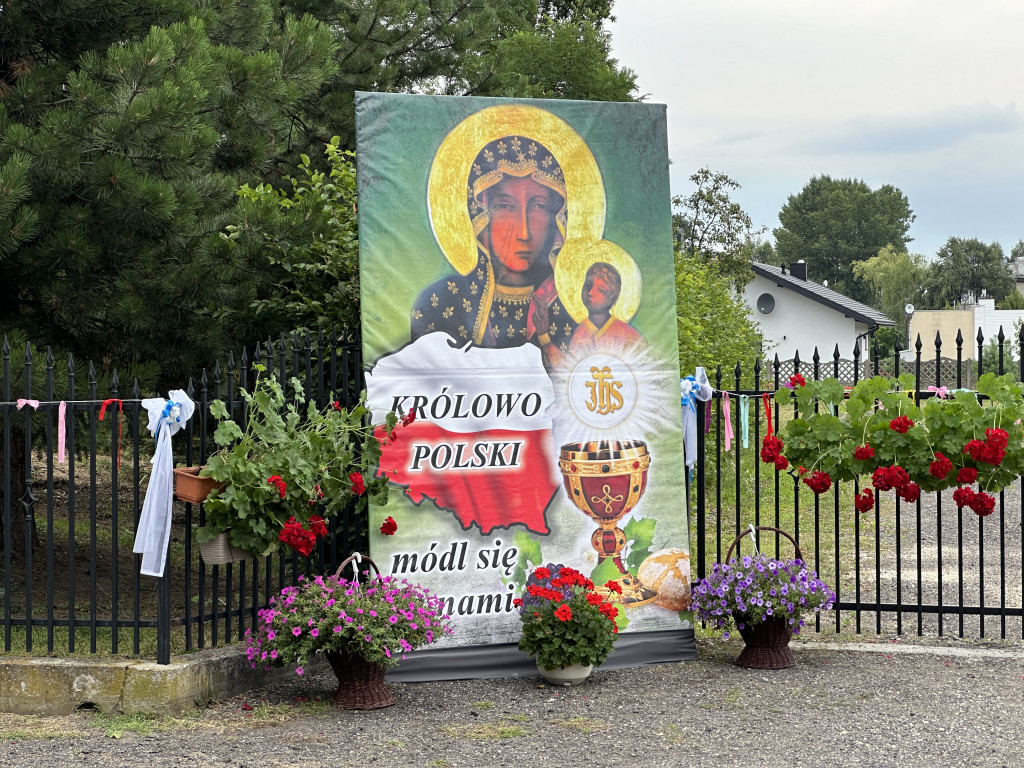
column 62, row 411
column 33, row 404
column 120, row 422
column 942, row 392
column 745, row 420
column 727, row 412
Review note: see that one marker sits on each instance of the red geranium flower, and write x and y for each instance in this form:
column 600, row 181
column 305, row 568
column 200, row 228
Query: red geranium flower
column 880, row 479
column 408, row 418
column 796, row 380
column 594, row 599
column 967, row 475
column 910, row 492
column 819, row 482
column 864, row 452
column 940, row 467
column 613, row 586
column 609, row 610
column 541, row 573
column 983, row 504
column 389, row 527
column 317, row 525
column 771, row 449
column 865, row 501
column 781, row 462
column 563, row 612
column 963, row 497
column 358, row 486
column 901, row 424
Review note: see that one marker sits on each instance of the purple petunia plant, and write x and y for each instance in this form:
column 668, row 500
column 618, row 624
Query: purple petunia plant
column 380, row 619
column 757, row 587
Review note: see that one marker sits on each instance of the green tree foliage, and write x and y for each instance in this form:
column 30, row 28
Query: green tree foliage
column 1013, row 300
column 894, row 278
column 708, row 224
column 715, row 327
column 833, row 223
column 555, row 50
column 307, row 236
column 127, row 128
column 967, row 266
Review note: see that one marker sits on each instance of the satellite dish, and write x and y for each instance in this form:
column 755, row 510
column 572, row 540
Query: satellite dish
column 765, row 303
column 909, row 309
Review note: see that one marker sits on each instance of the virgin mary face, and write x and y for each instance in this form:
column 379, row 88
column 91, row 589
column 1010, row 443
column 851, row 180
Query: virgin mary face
column 522, row 224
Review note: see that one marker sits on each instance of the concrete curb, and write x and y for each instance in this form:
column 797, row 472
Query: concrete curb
column 47, row 686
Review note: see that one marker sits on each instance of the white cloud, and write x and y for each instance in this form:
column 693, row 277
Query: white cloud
column 916, row 93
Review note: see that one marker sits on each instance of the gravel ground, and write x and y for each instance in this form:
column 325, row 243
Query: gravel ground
column 884, row 704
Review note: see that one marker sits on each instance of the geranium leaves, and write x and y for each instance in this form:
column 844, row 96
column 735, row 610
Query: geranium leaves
column 891, row 425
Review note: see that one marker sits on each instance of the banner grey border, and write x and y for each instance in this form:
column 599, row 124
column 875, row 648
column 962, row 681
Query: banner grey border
column 476, row 662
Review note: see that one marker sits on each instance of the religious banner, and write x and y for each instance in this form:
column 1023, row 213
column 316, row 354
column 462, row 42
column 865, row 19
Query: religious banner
column 518, row 304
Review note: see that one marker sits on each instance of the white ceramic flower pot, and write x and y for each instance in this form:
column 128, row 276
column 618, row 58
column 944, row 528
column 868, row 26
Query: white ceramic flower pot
column 573, row 675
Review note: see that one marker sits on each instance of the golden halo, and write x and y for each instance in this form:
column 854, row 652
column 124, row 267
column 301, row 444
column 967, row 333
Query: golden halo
column 449, row 177
column 571, row 270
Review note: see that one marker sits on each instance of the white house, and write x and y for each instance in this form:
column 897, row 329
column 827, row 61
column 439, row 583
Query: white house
column 797, row 314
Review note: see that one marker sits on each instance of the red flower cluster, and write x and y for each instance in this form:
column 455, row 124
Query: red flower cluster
column 301, row 539
column 536, row 590
column 594, row 599
column 887, row 478
column 796, row 380
column 983, row 504
column 570, row 577
column 358, row 486
column 771, row 452
column 865, row 501
column 408, row 418
column 819, row 482
column 610, row 611
column 542, row 573
column 279, row 482
column 389, row 527
column 613, row 586
column 909, row 492
column 864, row 452
column 563, row 613
column 901, row 424
column 967, row 475
column 992, row 451
column 941, row 467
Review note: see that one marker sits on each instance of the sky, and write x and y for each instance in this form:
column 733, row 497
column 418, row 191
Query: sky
column 926, row 95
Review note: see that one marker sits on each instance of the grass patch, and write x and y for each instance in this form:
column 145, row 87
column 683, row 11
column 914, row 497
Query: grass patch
column 501, row 730
column 482, row 705
column 35, row 728
column 582, row 724
column 673, row 734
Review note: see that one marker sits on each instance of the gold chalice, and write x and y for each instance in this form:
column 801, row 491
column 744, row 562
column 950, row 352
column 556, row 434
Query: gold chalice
column 605, row 480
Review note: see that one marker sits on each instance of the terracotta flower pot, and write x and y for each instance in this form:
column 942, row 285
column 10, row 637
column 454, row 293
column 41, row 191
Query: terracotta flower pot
column 190, row 487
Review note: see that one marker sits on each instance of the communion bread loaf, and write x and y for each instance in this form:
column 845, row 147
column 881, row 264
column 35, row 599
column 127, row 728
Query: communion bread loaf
column 667, row 572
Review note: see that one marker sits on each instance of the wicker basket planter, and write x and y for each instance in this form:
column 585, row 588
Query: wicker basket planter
column 190, row 487
column 360, row 682
column 766, row 644
column 220, row 551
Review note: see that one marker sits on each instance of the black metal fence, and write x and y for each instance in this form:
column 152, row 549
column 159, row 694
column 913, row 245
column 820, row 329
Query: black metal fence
column 928, row 565
column 70, row 581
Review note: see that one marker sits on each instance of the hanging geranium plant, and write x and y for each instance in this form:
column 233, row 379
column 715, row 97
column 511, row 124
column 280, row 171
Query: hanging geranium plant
column 880, row 429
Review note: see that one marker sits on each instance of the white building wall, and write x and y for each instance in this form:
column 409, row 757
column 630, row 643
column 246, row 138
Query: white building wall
column 989, row 319
column 800, row 324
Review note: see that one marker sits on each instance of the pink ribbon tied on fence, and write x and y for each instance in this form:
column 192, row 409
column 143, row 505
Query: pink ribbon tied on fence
column 940, row 391
column 727, row 409
column 33, row 404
